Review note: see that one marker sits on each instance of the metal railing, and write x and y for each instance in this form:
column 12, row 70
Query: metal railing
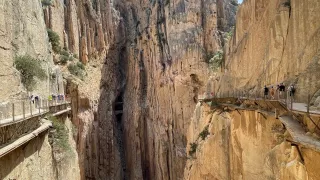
column 282, row 97
column 11, row 112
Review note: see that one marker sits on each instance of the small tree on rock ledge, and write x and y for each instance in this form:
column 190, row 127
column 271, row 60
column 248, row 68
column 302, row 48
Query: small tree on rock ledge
column 216, row 61
column 30, row 69
column 55, row 40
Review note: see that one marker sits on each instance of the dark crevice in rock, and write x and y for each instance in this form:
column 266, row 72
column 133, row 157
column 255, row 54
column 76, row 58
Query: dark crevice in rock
column 118, row 108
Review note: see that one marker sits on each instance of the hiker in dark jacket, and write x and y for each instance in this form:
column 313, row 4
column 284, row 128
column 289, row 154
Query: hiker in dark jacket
column 282, row 89
column 292, row 90
column 266, row 92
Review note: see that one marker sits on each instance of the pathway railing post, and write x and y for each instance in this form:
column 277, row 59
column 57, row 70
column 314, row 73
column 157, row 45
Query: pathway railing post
column 255, row 95
column 308, row 104
column 39, row 106
column 30, row 107
column 285, row 98
column 23, row 110
column 291, row 102
column 13, row 111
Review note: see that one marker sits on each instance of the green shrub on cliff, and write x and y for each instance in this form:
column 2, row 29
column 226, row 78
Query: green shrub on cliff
column 229, row 34
column 81, row 65
column 55, row 40
column 204, row 133
column 46, row 2
column 193, row 148
column 234, row 2
column 77, row 69
column 30, row 69
column 65, row 56
column 216, row 61
column 60, row 134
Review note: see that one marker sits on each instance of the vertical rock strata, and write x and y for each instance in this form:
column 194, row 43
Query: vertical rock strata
column 245, row 144
column 147, row 62
column 165, row 70
column 274, row 42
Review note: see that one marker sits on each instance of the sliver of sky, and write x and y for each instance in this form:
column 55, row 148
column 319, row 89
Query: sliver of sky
column 240, row 1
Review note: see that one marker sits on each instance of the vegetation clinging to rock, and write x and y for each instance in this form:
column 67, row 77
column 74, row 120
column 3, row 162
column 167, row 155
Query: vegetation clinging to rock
column 65, row 56
column 60, row 134
column 230, row 33
column 55, row 40
column 204, row 133
column 77, row 69
column 216, row 60
column 193, row 148
column 234, row 2
column 46, row 2
column 30, row 69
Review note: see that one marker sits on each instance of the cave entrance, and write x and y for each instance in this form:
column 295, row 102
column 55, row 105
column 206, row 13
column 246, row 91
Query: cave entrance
column 118, row 107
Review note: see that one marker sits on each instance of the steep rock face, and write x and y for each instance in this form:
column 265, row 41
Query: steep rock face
column 40, row 158
column 86, row 28
column 245, row 145
column 32, row 161
column 22, row 32
column 65, row 161
column 273, row 42
column 164, row 69
column 90, row 29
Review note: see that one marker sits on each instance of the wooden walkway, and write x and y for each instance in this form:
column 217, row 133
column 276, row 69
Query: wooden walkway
column 36, row 112
column 298, row 134
column 24, row 139
column 10, row 124
column 295, row 129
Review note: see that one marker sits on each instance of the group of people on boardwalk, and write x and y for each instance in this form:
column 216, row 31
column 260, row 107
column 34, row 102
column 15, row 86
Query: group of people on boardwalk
column 54, row 97
column 35, row 99
column 280, row 89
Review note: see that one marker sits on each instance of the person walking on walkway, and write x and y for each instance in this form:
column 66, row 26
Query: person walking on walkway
column 272, row 91
column 32, row 98
column 292, row 91
column 266, row 92
column 282, row 89
column 37, row 101
column 278, row 91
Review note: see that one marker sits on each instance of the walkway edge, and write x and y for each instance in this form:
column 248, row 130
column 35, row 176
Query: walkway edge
column 22, row 119
column 61, row 112
column 24, row 139
column 299, row 135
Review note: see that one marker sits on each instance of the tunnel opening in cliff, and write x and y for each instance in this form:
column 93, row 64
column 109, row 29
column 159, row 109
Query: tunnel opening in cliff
column 118, row 109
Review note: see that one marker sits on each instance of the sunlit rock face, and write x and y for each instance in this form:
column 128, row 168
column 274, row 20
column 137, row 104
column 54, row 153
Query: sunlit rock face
column 274, row 42
column 164, row 68
column 147, row 64
column 245, row 144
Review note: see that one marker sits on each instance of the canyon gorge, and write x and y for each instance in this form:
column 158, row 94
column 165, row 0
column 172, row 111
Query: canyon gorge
column 140, row 75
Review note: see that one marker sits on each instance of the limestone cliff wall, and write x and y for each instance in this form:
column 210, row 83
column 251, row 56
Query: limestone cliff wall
column 31, row 161
column 245, row 145
column 274, row 42
column 90, row 30
column 163, row 66
column 87, row 29
column 22, row 32
column 40, row 159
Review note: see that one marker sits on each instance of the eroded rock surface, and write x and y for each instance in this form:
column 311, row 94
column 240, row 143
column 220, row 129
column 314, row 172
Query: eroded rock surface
column 245, row 144
column 274, row 42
